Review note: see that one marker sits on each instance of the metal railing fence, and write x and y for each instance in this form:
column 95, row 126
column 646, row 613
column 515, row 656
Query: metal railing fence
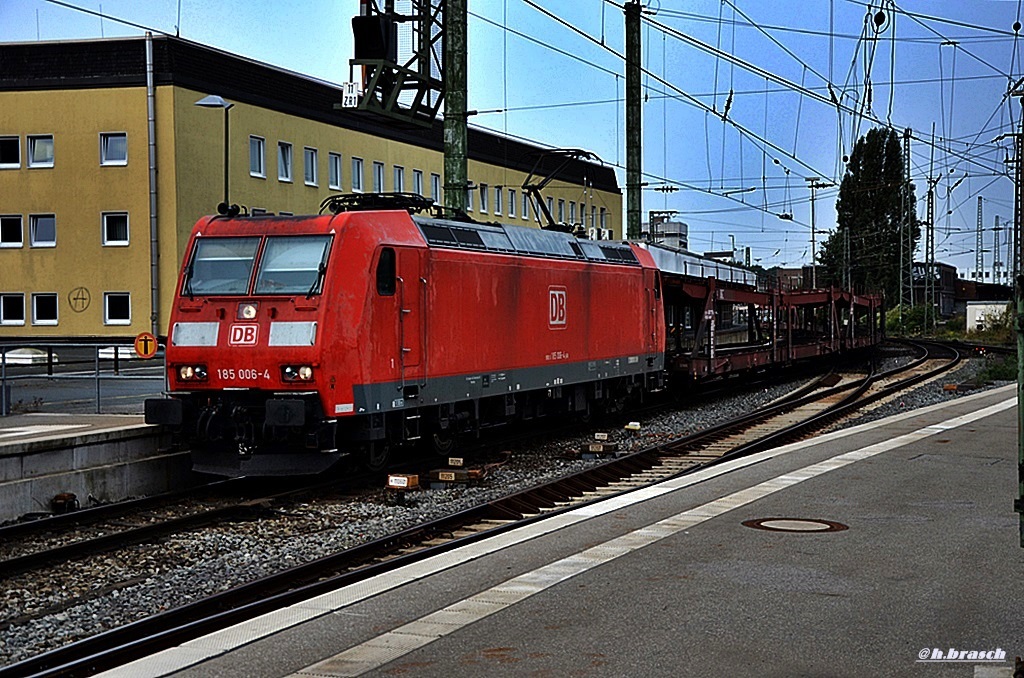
column 77, row 376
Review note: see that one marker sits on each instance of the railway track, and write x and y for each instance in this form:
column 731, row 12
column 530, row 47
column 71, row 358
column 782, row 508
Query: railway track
column 797, row 415
column 98, row 529
column 38, row 543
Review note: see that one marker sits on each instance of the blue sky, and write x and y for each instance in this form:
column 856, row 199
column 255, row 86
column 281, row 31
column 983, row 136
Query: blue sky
column 556, row 83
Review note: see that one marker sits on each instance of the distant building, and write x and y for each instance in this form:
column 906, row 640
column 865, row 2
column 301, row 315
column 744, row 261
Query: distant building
column 952, row 293
column 981, row 314
column 970, row 291
column 102, row 175
column 945, row 286
column 665, row 231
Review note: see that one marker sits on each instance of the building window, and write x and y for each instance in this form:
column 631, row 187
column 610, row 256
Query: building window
column 257, row 168
column 526, row 206
column 484, row 197
column 435, row 187
column 334, row 171
column 117, row 308
column 10, row 231
column 497, row 199
column 593, row 216
column 284, row 161
column 399, row 179
column 378, row 177
column 511, row 202
column 40, row 150
column 44, row 309
column 604, row 218
column 113, row 148
column 551, row 206
column 572, row 211
column 42, row 230
column 10, row 152
column 309, row 165
column 357, row 175
column 417, row 182
column 469, row 198
column 12, row 309
column 115, row 228
column 561, row 211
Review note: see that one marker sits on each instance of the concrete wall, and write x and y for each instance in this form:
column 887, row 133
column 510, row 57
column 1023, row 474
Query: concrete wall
column 108, row 465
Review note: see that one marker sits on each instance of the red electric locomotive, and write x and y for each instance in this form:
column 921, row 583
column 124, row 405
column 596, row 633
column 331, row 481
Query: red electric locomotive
column 295, row 341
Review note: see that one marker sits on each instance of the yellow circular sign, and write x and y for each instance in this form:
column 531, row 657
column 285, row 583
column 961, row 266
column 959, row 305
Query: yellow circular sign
column 146, row 345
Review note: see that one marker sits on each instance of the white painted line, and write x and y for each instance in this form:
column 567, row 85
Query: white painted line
column 37, row 429
column 538, row 580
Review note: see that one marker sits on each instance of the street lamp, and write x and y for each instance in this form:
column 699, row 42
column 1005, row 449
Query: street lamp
column 214, row 101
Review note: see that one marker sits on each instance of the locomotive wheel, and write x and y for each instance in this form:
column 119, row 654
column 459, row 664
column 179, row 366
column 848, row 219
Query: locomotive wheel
column 586, row 417
column 376, row 455
column 442, row 443
column 615, row 405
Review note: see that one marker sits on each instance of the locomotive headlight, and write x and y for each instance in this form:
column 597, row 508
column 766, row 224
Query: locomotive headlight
column 297, row 373
column 247, row 310
column 192, row 372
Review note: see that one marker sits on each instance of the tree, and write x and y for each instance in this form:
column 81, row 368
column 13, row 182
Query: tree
column 864, row 250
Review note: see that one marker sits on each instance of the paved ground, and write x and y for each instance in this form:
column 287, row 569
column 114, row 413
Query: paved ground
column 17, row 429
column 670, row 581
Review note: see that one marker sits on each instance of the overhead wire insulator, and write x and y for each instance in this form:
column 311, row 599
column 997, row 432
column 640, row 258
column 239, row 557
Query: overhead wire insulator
column 879, row 20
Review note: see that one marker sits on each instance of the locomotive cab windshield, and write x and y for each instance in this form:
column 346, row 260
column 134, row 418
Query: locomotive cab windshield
column 288, row 265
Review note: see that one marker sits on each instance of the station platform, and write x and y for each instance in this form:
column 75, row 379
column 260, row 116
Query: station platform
column 98, row 457
column 893, row 551
column 42, row 428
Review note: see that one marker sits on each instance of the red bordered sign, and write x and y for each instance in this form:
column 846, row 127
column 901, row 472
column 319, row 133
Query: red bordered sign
column 146, row 345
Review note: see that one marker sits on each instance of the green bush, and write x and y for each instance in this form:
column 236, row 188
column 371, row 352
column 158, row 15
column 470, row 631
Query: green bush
column 911, row 325
column 957, row 324
column 999, row 368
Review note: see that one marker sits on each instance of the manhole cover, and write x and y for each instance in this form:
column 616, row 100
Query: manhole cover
column 795, row 525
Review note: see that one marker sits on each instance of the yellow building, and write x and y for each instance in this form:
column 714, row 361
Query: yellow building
column 106, row 162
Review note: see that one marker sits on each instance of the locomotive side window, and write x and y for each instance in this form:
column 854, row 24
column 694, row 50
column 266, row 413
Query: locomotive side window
column 386, row 272
column 220, row 266
column 293, row 265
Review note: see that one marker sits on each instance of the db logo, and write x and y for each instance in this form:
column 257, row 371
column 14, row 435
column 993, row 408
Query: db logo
column 556, row 308
column 243, row 335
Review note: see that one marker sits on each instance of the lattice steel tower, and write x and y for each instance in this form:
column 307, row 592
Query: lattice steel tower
column 399, row 54
column 979, row 246
column 907, row 232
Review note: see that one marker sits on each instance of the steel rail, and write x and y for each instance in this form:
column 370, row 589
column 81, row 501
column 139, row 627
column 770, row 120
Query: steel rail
column 856, row 400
